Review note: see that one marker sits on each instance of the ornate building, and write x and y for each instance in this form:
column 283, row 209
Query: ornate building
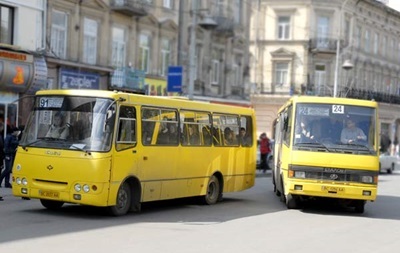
column 347, row 48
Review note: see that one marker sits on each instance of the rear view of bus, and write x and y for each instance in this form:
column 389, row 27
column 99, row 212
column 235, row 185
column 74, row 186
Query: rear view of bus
column 326, row 148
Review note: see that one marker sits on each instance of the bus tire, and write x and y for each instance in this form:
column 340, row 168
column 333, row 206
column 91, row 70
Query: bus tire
column 51, row 204
column 359, row 206
column 213, row 192
column 291, row 202
column 123, row 202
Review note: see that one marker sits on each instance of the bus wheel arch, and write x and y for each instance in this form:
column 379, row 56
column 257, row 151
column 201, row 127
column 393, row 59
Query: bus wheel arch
column 136, row 193
column 123, row 200
column 214, row 189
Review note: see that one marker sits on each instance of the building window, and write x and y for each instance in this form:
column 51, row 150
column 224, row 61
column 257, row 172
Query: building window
column 168, row 4
column 198, row 61
column 384, row 46
column 214, row 71
column 59, row 34
column 376, row 43
column 281, row 74
column 237, row 12
column 7, row 24
column 220, row 7
column 165, row 56
column 391, row 49
column 366, row 41
column 322, row 32
column 283, row 27
column 144, row 55
column 118, row 47
column 358, row 37
column 89, row 41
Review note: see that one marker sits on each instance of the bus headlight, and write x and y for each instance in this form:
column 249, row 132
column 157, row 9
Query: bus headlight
column 24, row 181
column 367, row 179
column 18, row 180
column 86, row 188
column 299, row 174
column 77, row 187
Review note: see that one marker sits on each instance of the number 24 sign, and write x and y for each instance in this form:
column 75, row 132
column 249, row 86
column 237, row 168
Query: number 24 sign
column 338, row 109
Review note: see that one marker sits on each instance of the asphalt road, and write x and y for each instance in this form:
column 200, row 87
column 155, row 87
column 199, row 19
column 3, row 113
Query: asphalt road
column 249, row 221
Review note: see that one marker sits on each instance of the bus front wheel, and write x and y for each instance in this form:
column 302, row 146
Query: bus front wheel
column 359, row 206
column 123, row 202
column 51, row 204
column 213, row 191
column 291, row 201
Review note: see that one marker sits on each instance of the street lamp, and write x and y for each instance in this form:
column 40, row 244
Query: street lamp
column 208, row 24
column 335, row 85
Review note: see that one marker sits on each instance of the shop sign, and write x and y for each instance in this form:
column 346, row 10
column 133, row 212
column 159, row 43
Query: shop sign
column 74, row 79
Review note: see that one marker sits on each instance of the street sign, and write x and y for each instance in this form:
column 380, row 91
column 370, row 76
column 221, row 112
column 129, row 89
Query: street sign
column 174, row 81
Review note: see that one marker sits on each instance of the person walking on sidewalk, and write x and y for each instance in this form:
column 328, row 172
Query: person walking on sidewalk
column 1, row 150
column 10, row 148
column 265, row 149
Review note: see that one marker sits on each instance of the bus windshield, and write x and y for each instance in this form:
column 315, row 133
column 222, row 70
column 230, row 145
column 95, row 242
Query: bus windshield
column 75, row 123
column 335, row 128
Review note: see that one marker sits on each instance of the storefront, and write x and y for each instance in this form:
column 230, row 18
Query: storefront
column 21, row 73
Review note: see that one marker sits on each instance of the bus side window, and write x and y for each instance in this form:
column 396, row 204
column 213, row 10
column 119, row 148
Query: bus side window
column 126, row 137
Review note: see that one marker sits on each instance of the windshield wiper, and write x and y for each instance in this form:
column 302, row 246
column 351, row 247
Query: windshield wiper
column 80, row 149
column 314, row 144
column 30, row 143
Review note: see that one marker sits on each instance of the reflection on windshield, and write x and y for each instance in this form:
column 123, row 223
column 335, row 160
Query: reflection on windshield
column 76, row 123
column 335, row 127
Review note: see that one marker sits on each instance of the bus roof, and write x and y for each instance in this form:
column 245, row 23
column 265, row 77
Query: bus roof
column 330, row 100
column 175, row 102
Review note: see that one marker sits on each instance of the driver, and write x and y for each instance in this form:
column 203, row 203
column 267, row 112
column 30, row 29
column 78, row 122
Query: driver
column 58, row 130
column 351, row 133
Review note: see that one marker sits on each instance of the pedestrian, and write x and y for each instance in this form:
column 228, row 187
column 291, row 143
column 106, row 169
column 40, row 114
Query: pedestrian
column 10, row 149
column 265, row 149
column 1, row 150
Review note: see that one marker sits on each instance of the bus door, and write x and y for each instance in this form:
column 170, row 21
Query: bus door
column 125, row 159
column 159, row 153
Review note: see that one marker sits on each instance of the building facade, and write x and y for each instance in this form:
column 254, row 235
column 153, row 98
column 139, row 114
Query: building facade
column 23, row 71
column 129, row 45
column 346, row 48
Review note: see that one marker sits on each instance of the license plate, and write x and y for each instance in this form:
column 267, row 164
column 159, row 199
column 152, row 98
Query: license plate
column 49, row 194
column 333, row 189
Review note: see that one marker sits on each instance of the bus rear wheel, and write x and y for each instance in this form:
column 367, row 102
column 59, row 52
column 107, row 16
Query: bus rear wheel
column 51, row 204
column 123, row 202
column 213, row 191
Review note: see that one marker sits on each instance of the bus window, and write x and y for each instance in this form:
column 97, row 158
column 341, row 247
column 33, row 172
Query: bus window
column 126, row 137
column 246, row 129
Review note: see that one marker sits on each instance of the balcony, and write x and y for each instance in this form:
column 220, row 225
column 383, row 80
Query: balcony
column 382, row 97
column 225, row 25
column 131, row 7
column 325, row 45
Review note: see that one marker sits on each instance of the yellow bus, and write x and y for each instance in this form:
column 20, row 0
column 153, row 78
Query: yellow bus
column 326, row 147
column 125, row 149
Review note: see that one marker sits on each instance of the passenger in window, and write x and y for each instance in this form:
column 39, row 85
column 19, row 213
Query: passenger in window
column 351, row 133
column 229, row 136
column 302, row 131
column 58, row 130
column 192, row 136
column 173, row 133
column 207, row 138
column 244, row 138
